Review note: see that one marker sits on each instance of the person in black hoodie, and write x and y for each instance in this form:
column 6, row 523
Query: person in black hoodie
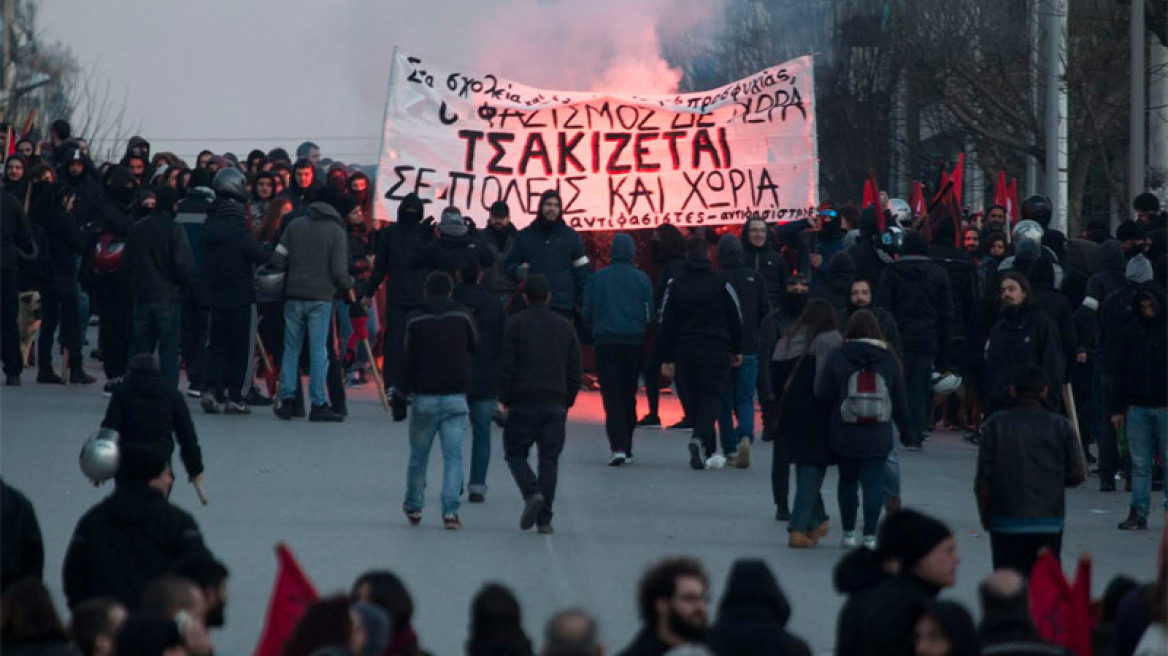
column 16, row 239
column 1139, row 403
column 456, row 244
column 16, row 179
column 962, row 272
column 758, row 253
column 550, row 247
column 754, row 305
column 1006, row 625
column 160, row 262
column 490, row 319
column 132, row 536
column 403, row 294
column 870, row 260
column 113, row 288
column 917, row 292
column 499, row 237
column 230, row 255
column 701, row 331
column 1023, row 336
column 1054, row 303
column 668, row 250
column 22, row 550
column 753, row 615
column 305, row 188
column 841, row 271
column 76, row 170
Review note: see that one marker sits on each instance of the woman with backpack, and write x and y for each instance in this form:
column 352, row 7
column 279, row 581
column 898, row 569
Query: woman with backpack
column 798, row 360
column 863, row 385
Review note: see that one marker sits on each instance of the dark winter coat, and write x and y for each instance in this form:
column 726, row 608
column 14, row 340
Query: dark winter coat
column 315, row 252
column 440, row 344
column 230, row 256
column 917, row 293
column 1008, row 630
column 964, row 284
column 129, row 538
column 869, row 261
column 766, row 261
column 1027, row 455
column 191, row 214
column 22, row 551
column 1109, row 277
column 753, row 300
column 396, row 244
column 1024, row 336
column 490, row 318
column 753, row 616
column 90, row 194
column 618, row 299
column 646, row 643
column 540, row 359
column 803, row 417
column 555, row 250
column 146, row 410
column 495, row 279
column 1141, row 357
column 699, row 311
column 882, row 621
column 159, row 258
column 63, row 242
column 451, row 254
column 774, row 325
column 15, row 237
column 1056, row 306
column 862, row 441
column 837, row 290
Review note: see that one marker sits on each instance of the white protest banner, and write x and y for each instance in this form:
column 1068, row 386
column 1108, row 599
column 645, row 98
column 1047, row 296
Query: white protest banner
column 459, row 138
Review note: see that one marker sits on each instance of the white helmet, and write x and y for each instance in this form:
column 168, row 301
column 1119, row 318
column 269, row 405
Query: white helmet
column 901, row 211
column 100, row 455
column 1027, row 230
column 945, row 383
column 269, row 283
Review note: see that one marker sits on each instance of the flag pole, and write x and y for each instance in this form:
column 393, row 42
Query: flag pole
column 381, row 144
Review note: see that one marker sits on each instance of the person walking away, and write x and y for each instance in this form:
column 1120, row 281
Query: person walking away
column 230, row 256
column 539, row 377
column 440, row 344
column 753, row 615
column 191, row 213
column 701, row 331
column 112, row 280
column 754, row 304
column 668, row 246
column 160, row 262
column 314, row 253
column 1023, row 336
column 1006, row 626
column 490, row 319
column 917, row 292
column 1140, row 400
column 618, row 301
column 1027, row 458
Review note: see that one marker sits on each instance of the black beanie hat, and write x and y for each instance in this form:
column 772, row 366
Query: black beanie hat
column 914, row 243
column 908, row 536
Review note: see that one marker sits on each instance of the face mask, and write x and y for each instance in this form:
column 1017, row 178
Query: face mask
column 795, row 303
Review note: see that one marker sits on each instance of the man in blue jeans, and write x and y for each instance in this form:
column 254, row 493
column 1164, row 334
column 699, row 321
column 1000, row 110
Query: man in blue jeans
column 489, row 317
column 1141, row 389
column 438, row 353
column 314, row 253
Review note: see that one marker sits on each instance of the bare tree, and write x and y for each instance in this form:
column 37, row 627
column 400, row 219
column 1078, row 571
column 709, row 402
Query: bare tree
column 98, row 115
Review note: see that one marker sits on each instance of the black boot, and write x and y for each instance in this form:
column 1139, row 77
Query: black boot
column 49, row 377
column 1133, row 522
column 324, row 413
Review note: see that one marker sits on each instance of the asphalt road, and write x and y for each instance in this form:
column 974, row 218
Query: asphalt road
column 333, row 493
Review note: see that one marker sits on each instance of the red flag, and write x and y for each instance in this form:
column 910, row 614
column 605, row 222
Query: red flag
column 28, row 123
column 1001, row 193
column 1012, row 207
column 1062, row 612
column 916, row 198
column 291, row 596
column 958, row 177
column 872, row 198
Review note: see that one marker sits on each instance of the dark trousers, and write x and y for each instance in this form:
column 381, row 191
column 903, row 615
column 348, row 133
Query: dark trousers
column 1108, row 439
column 395, row 335
column 543, row 425
column 652, row 376
column 196, row 322
column 1019, row 551
column 703, row 378
column 618, row 367
column 60, row 312
column 230, row 351
column 918, row 370
column 116, row 328
column 157, row 326
column 780, row 473
column 10, row 323
column 856, row 476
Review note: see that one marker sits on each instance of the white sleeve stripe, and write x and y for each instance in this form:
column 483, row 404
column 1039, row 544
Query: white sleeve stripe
column 580, row 261
column 281, row 249
column 734, row 297
column 1091, row 304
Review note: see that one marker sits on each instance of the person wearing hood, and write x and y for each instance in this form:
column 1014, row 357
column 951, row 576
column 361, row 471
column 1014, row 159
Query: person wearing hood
column 22, row 547
column 1131, row 237
column 16, row 176
column 1023, row 336
column 549, row 246
column 1006, row 625
column 160, row 261
column 1027, row 457
column 917, row 292
column 753, row 615
column 962, row 273
column 113, row 287
column 1139, row 403
column 354, row 319
column 862, row 431
column 76, row 170
column 132, row 536
column 921, row 553
column 230, row 256
column 314, row 252
column 1056, row 306
column 1154, row 222
column 869, row 259
column 830, row 235
column 841, row 271
column 618, row 300
column 305, row 188
column 263, row 190
column 701, row 331
column 457, row 243
column 759, row 254
column 945, row 628
column 403, row 294
column 668, row 250
column 191, row 215
column 754, row 305
column 499, row 237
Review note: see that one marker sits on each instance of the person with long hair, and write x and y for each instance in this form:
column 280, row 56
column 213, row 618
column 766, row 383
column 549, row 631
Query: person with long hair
column 864, row 387
column 1023, row 336
column 802, row 419
column 263, row 190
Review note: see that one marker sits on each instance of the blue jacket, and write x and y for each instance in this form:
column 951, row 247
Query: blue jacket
column 619, row 298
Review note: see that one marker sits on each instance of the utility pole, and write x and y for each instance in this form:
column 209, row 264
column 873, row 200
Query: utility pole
column 1055, row 116
column 1035, row 61
column 1139, row 104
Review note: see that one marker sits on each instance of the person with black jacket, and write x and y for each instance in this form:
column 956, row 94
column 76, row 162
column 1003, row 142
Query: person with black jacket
column 191, row 214
column 113, row 287
column 439, row 349
column 1054, row 303
column 1027, row 458
column 456, row 243
column 860, row 298
column 836, row 288
column 1139, row 403
column 917, row 292
column 539, row 377
column 964, row 282
column 701, row 331
column 76, row 170
column 132, row 536
column 22, row 550
column 305, row 188
column 754, row 303
column 870, row 260
column 550, row 247
column 160, row 262
column 403, row 293
column 1023, row 336
column 758, row 253
column 1006, row 628
column 753, row 615
column 668, row 249
column 499, row 237
column 490, row 319
column 230, row 255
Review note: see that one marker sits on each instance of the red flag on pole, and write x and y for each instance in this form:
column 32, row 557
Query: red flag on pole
column 291, row 595
column 1062, row 612
column 916, row 198
column 1012, row 207
column 1001, row 193
column 872, row 198
column 958, row 177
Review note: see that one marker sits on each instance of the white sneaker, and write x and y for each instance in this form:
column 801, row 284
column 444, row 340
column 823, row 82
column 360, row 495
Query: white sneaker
column 628, row 460
column 851, row 540
column 716, row 461
column 618, row 458
column 869, row 542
